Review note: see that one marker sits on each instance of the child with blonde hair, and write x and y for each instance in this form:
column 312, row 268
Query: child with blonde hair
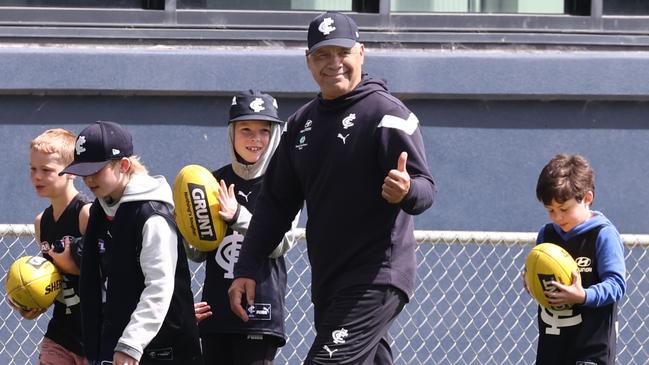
column 254, row 131
column 135, row 282
column 56, row 227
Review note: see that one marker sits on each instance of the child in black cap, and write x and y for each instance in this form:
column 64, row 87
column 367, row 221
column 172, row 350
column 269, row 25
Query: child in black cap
column 254, row 130
column 137, row 304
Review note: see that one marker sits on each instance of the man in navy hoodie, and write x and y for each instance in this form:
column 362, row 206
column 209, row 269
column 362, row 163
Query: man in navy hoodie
column 355, row 154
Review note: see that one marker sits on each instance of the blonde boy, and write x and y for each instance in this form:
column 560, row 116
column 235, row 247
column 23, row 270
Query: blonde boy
column 65, row 218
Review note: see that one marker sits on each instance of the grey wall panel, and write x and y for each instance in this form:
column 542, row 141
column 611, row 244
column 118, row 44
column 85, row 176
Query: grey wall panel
column 517, row 73
column 484, row 154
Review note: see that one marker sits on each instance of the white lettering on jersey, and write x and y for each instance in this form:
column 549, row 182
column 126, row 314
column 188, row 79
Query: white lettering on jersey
column 584, row 264
column 228, row 253
column 406, row 125
column 557, row 319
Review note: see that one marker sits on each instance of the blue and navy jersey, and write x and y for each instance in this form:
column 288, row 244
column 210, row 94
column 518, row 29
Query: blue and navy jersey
column 335, row 156
column 65, row 326
column 585, row 332
column 219, row 274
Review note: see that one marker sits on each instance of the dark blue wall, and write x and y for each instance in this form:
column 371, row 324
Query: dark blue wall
column 485, row 155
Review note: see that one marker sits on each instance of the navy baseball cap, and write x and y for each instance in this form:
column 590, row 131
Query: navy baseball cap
column 253, row 105
column 332, row 29
column 97, row 145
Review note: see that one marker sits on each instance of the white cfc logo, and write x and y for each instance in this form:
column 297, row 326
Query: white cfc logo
column 228, row 253
column 347, row 122
column 257, row 105
column 326, row 26
column 339, row 336
column 79, row 145
column 557, row 319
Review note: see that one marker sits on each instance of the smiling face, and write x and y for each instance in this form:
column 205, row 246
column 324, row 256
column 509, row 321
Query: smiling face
column 44, row 174
column 251, row 139
column 337, row 70
column 570, row 213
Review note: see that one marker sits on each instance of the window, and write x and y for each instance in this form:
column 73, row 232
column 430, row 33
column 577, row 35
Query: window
column 81, row 3
column 626, row 7
column 480, row 6
column 340, row 5
column 409, row 22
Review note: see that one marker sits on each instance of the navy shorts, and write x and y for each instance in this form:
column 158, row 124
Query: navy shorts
column 239, row 349
column 352, row 327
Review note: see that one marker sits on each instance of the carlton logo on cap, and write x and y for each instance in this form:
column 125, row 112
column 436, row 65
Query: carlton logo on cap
column 254, row 105
column 98, row 144
column 326, row 26
column 78, row 147
column 257, row 105
column 332, row 29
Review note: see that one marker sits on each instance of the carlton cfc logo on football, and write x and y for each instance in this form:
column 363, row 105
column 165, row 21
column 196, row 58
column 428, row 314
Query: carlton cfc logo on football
column 202, row 216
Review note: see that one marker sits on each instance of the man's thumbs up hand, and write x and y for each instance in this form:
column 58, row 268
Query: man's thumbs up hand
column 397, row 183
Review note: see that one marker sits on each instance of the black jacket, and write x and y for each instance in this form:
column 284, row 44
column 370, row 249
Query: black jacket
column 111, row 255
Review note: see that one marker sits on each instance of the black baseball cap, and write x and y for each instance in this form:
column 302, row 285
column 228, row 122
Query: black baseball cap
column 254, row 105
column 97, row 145
column 332, row 29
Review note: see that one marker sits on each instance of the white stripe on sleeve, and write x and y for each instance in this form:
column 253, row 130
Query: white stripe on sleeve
column 406, row 125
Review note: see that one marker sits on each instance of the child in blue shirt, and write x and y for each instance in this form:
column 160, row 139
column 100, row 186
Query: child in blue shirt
column 586, row 332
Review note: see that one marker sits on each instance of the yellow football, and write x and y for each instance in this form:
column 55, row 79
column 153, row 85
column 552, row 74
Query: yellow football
column 33, row 282
column 197, row 208
column 545, row 263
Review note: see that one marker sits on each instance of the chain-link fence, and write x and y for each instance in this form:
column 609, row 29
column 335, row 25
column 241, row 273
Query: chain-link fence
column 469, row 306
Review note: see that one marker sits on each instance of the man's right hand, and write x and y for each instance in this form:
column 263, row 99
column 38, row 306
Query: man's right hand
column 241, row 288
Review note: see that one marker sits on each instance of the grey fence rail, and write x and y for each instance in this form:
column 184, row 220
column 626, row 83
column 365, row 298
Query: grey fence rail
column 469, row 306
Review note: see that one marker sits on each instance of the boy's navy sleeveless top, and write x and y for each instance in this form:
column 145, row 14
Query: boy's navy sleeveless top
column 65, row 326
column 580, row 332
column 111, row 249
column 271, row 284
